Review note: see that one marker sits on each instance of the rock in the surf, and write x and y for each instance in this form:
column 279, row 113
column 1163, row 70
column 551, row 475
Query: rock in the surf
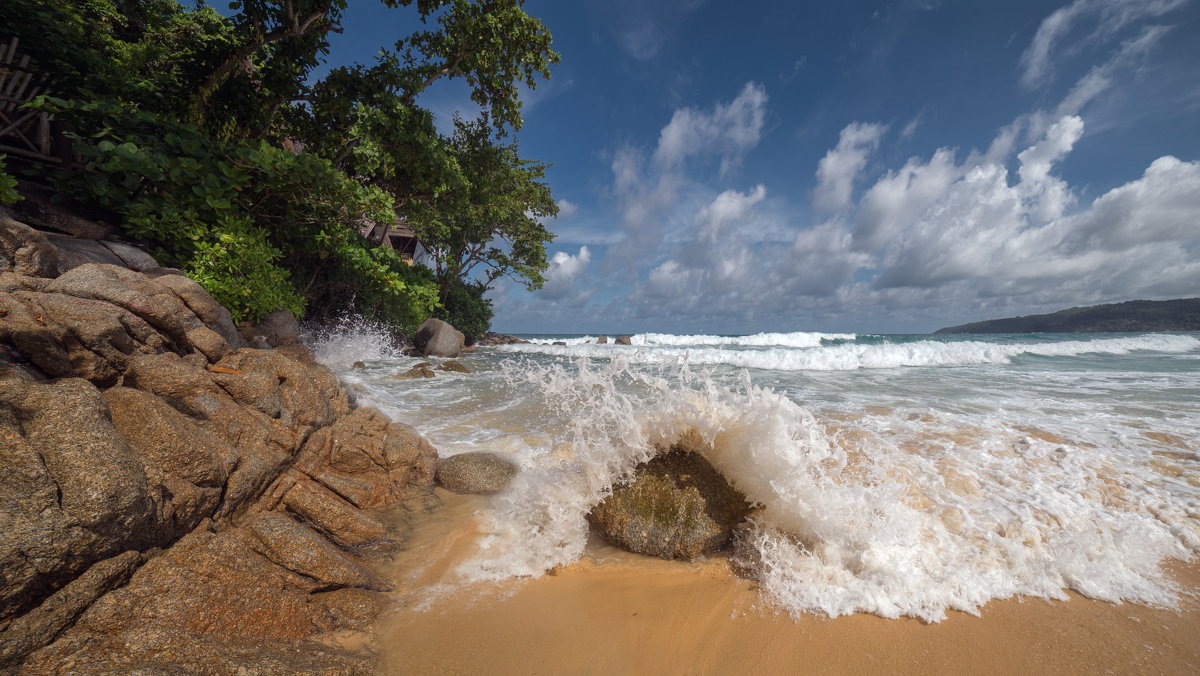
column 677, row 506
column 475, row 473
column 602, row 340
column 454, row 366
column 436, row 338
column 622, row 340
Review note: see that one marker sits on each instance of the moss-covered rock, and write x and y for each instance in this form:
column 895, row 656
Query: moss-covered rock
column 677, row 506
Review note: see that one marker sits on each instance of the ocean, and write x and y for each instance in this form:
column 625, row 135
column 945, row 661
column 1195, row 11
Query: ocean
column 899, row 475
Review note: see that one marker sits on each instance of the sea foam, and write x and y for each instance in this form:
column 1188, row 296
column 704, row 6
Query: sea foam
column 854, row 356
column 882, row 515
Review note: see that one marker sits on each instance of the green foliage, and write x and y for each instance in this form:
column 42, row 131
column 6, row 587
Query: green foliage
column 8, row 186
column 493, row 226
column 260, row 227
column 466, row 309
column 184, row 116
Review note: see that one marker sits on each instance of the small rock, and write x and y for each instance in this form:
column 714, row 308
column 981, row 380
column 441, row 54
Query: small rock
column 558, row 342
column 602, row 340
column 475, row 473
column 421, row 370
column 359, row 365
column 453, row 365
column 677, row 506
column 622, row 340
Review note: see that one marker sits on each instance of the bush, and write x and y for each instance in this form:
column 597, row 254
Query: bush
column 259, row 227
column 8, row 186
column 466, row 309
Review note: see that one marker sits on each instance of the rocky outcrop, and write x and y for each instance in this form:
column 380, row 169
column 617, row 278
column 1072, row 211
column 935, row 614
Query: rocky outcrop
column 25, row 251
column 677, row 506
column 478, row 472
column 622, row 340
column 176, row 502
column 436, row 338
column 602, row 340
column 453, row 366
column 493, row 338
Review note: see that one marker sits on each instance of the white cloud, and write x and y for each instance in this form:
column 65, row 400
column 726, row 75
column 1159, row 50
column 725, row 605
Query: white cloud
column 564, row 269
column 567, row 209
column 1037, row 62
column 728, row 131
column 838, row 170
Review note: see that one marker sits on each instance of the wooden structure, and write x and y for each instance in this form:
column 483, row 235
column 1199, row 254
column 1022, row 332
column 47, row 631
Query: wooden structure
column 23, row 132
column 398, row 237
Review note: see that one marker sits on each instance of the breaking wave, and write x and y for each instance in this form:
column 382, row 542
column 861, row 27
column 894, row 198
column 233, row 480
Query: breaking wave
column 852, row 356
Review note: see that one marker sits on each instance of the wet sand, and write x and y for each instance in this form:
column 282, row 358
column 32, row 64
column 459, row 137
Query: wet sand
column 619, row 613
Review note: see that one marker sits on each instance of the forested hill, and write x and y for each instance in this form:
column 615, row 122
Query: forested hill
column 1136, row 315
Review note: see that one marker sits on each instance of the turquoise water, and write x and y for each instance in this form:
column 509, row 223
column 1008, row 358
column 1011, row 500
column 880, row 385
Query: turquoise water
column 900, row 475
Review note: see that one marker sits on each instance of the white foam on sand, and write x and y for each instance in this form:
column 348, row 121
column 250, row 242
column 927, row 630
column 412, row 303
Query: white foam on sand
column 900, row 517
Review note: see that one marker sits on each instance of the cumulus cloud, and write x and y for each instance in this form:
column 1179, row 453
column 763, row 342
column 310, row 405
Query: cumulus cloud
column 840, row 167
column 564, row 269
column 728, row 130
column 567, row 209
column 1037, row 62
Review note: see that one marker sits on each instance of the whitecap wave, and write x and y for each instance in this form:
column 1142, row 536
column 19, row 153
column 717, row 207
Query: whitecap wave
column 853, row 356
column 794, row 339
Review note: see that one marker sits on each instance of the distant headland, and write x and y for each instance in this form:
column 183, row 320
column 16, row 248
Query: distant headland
column 1182, row 314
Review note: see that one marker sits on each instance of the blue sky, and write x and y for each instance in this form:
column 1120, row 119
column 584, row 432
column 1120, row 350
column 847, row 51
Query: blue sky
column 852, row 166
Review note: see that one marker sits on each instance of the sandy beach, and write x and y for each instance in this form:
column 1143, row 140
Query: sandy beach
column 614, row 612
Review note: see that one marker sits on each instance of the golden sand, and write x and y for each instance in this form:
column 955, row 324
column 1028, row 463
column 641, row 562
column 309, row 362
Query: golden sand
column 619, row 613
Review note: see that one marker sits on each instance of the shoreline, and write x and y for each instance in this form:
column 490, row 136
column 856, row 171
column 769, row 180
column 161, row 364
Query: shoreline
column 615, row 612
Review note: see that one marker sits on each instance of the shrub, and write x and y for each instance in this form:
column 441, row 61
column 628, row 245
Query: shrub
column 8, row 186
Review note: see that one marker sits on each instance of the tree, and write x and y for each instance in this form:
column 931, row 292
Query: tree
column 493, row 227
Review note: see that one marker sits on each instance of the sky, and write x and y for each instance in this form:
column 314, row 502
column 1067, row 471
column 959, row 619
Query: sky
column 886, row 167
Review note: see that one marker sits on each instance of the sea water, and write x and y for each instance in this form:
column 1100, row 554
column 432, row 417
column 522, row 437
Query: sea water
column 897, row 475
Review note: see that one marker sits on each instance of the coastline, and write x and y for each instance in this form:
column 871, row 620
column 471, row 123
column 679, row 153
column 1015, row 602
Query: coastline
column 614, row 612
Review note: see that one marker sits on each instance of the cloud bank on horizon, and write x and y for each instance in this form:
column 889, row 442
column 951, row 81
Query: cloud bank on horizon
column 735, row 217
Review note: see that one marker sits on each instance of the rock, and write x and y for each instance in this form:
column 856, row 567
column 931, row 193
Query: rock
column 367, row 459
column 73, row 493
column 210, row 604
column 37, row 210
column 155, row 303
column 421, row 370
column 559, row 342
column 25, row 251
column 358, row 365
column 622, row 340
column 42, row 625
column 436, row 338
column 335, row 518
column 602, row 340
column 74, row 252
column 75, row 337
column 454, row 366
column 279, row 327
column 133, row 257
column 677, row 506
column 475, row 473
column 493, row 338
column 13, row 281
column 184, row 461
column 298, row 549
column 208, row 310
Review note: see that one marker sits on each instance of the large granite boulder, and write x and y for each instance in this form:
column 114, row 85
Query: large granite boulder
column 478, row 472
column 677, row 506
column 73, row 493
column 25, row 251
column 602, row 340
column 436, row 338
column 622, row 340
